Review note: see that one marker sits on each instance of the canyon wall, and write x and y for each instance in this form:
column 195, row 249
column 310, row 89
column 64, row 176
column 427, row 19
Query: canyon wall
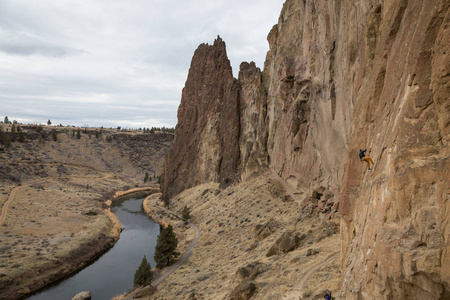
column 395, row 219
column 339, row 76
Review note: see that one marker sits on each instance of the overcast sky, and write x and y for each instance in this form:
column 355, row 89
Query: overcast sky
column 117, row 63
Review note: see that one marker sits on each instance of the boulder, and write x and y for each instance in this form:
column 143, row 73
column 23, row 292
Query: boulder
column 82, row 296
column 145, row 292
column 243, row 291
column 248, row 273
column 264, row 230
column 286, row 243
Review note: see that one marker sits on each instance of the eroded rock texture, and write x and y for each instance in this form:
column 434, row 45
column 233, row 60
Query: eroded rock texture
column 206, row 144
column 340, row 76
column 395, row 224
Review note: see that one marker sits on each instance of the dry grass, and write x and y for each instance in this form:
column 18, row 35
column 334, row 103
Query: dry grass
column 56, row 220
column 227, row 220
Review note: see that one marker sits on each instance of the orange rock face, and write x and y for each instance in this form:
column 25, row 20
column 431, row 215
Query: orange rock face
column 340, row 76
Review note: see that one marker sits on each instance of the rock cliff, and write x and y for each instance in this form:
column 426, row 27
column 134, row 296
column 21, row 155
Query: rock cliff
column 339, row 76
column 206, row 143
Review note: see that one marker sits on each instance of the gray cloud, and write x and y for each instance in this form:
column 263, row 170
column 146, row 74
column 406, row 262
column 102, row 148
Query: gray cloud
column 101, row 62
column 31, row 46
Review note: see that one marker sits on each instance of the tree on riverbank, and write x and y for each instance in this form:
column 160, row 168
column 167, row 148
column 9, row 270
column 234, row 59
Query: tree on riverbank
column 143, row 275
column 165, row 248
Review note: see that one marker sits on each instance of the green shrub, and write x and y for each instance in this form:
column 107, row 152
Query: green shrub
column 165, row 247
column 186, row 214
column 143, row 275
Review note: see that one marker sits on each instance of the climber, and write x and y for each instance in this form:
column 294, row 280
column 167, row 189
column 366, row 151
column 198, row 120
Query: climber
column 362, row 157
column 327, row 295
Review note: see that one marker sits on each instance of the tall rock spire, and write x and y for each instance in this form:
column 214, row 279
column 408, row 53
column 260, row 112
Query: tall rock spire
column 206, row 144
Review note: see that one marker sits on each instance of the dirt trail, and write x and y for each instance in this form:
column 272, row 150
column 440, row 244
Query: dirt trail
column 299, row 290
column 298, row 196
column 311, row 271
column 13, row 191
column 5, row 206
column 183, row 258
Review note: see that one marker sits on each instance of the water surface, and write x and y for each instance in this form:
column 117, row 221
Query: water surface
column 113, row 273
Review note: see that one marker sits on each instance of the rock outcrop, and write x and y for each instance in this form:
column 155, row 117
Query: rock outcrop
column 339, row 76
column 400, row 207
column 288, row 241
column 206, row 143
column 82, row 296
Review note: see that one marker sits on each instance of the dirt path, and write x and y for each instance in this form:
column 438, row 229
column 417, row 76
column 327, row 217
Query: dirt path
column 299, row 290
column 6, row 205
column 316, row 267
column 298, row 196
column 183, row 258
column 13, row 191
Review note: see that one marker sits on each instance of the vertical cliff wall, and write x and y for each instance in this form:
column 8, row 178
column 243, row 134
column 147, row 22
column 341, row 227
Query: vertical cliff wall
column 339, row 76
column 395, row 226
column 206, row 143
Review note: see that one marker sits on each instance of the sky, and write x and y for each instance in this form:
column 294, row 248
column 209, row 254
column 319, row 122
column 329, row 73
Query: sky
column 114, row 62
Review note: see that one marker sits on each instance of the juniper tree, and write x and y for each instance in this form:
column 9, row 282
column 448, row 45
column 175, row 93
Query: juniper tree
column 146, row 177
column 166, row 199
column 21, row 136
column 186, row 214
column 4, row 138
column 165, row 247
column 54, row 135
column 143, row 275
column 13, row 133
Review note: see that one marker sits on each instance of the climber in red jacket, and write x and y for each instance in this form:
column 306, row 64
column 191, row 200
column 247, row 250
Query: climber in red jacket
column 363, row 157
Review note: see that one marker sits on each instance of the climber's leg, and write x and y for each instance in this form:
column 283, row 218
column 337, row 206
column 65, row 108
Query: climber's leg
column 366, row 159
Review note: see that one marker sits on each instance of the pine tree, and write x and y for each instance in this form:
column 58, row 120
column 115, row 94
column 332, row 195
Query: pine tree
column 6, row 121
column 13, row 133
column 49, row 122
column 166, row 199
column 186, row 214
column 4, row 138
column 21, row 137
column 54, row 135
column 143, row 275
column 165, row 247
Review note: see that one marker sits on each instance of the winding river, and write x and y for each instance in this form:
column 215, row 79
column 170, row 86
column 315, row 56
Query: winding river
column 113, row 273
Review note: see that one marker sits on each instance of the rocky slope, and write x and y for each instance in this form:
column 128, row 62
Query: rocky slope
column 339, row 76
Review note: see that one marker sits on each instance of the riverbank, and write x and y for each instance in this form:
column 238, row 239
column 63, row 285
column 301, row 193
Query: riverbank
column 53, row 192
column 120, row 195
column 100, row 230
column 187, row 235
column 256, row 237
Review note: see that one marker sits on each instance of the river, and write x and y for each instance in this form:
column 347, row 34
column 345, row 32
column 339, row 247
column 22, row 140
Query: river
column 113, row 273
